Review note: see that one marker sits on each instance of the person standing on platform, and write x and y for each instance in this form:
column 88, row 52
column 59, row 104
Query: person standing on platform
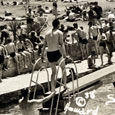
column 54, row 41
column 102, row 45
column 110, row 42
column 93, row 34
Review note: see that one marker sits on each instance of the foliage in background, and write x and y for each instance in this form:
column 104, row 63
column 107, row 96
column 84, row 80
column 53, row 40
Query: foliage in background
column 14, row 26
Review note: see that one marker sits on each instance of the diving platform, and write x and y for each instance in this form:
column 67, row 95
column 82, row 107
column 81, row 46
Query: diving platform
column 87, row 80
column 13, row 85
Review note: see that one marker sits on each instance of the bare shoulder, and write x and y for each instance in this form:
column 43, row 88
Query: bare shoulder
column 59, row 32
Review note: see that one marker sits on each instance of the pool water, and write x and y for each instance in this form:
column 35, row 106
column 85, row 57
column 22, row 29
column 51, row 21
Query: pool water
column 100, row 100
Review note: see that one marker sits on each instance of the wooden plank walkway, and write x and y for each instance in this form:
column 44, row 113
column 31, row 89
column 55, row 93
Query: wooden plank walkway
column 88, row 79
column 17, row 83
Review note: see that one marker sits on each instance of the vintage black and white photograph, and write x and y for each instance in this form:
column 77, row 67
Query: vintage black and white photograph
column 57, row 57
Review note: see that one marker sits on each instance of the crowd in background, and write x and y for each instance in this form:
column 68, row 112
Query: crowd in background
column 100, row 33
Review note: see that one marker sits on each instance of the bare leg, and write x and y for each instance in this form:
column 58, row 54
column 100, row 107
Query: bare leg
column 25, row 62
column 87, row 49
column 17, row 64
column 63, row 72
column 84, row 51
column 101, row 54
column 1, row 72
column 96, row 47
column 81, row 49
column 53, row 75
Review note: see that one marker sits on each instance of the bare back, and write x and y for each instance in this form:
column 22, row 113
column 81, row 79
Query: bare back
column 53, row 39
column 10, row 48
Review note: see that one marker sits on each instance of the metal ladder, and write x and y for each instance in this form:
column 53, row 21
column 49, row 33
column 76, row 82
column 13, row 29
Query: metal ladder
column 36, row 80
column 61, row 84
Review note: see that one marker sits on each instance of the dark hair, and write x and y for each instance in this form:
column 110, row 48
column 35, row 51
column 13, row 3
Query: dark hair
column 32, row 33
column 81, row 27
column 75, row 25
column 54, row 4
column 90, row 23
column 55, row 23
column 9, row 40
column 101, row 30
column 24, row 92
column 95, row 3
column 62, row 27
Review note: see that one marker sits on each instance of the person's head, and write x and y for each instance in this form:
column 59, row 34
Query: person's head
column 106, row 21
column 110, row 24
column 81, row 27
column 55, row 23
column 41, row 13
column 101, row 30
column 75, row 25
column 29, row 10
column 96, row 3
column 62, row 27
column 90, row 24
column 24, row 93
column 91, row 7
column 54, row 4
column 32, row 33
column 9, row 40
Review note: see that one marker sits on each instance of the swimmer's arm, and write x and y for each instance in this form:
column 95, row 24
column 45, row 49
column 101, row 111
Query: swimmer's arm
column 89, row 32
column 44, row 46
column 30, row 43
column 5, row 47
column 61, row 43
column 39, row 101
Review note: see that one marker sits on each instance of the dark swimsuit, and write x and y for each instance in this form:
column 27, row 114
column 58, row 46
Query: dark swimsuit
column 103, row 44
column 94, row 37
column 1, row 59
column 84, row 41
column 54, row 56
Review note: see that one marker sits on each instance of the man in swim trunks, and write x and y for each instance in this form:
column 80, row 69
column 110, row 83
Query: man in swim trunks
column 93, row 32
column 11, row 51
column 110, row 41
column 54, row 41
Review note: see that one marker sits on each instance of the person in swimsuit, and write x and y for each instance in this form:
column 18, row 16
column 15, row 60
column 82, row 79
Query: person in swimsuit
column 28, row 106
column 93, row 33
column 110, row 41
column 11, row 50
column 1, row 60
column 20, row 48
column 102, row 44
column 56, row 51
column 84, row 42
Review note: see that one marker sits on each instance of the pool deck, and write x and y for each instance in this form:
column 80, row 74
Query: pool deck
column 14, row 84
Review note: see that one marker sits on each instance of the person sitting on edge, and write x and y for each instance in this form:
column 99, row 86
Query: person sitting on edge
column 28, row 106
column 11, row 50
column 20, row 48
column 92, row 58
column 54, row 41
